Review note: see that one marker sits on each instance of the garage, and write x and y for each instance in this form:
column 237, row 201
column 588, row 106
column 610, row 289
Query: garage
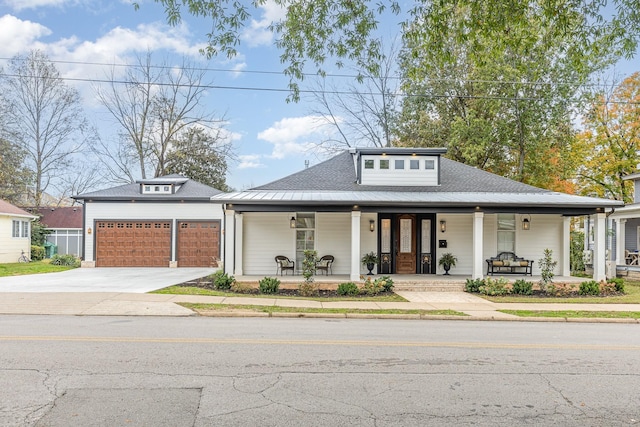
column 133, row 243
column 198, row 243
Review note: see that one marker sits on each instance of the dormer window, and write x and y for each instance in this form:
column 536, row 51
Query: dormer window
column 402, row 167
column 384, row 164
column 399, row 164
column 414, row 164
column 429, row 164
column 156, row 189
column 368, row 164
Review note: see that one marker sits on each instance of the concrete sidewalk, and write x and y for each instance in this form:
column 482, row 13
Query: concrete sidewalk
column 137, row 304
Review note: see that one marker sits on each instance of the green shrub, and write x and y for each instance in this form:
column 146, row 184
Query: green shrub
column 494, row 287
column 68, row 260
column 618, row 283
column 522, row 287
column 560, row 289
column 348, row 288
column 387, row 283
column 222, row 280
column 372, row 287
column 473, row 285
column 269, row 285
column 37, row 253
column 308, row 289
column 590, row 287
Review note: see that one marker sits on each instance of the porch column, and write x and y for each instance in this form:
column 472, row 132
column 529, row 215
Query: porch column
column 599, row 247
column 355, row 245
column 478, row 225
column 229, row 242
column 621, row 225
column 238, row 246
column 566, row 246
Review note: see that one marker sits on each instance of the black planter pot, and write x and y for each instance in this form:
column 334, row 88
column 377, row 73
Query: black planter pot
column 446, row 267
column 370, row 267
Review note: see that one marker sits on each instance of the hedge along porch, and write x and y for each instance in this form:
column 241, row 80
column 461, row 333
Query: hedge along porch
column 409, row 206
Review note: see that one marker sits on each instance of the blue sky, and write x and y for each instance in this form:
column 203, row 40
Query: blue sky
column 272, row 138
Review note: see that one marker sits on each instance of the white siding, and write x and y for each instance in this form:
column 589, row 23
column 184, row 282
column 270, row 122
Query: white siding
column 545, row 233
column 368, row 240
column 403, row 177
column 145, row 211
column 333, row 237
column 266, row 235
column 11, row 247
column 459, row 242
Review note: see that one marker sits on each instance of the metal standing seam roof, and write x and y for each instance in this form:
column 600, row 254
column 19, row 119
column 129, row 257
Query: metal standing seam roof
column 334, row 181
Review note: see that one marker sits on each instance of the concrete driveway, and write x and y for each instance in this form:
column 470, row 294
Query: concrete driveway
column 131, row 279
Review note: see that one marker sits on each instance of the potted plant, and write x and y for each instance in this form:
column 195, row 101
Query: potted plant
column 370, row 260
column 447, row 260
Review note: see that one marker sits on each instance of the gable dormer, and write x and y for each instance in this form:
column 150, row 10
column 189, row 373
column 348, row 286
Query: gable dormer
column 162, row 185
column 398, row 166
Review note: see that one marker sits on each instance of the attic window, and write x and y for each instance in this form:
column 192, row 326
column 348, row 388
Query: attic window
column 414, row 164
column 384, row 164
column 368, row 164
column 147, row 188
column 429, row 164
column 399, row 164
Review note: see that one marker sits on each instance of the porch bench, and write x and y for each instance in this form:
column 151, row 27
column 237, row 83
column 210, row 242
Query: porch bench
column 509, row 263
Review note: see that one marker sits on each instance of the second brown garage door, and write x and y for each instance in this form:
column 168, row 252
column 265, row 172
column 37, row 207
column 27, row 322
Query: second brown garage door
column 198, row 243
column 133, row 243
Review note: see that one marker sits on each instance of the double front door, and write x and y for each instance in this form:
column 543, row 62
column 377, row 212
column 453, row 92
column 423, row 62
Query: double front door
column 406, row 243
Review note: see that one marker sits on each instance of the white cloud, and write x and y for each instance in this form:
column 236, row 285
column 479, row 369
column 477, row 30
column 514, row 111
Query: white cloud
column 250, row 161
column 237, row 68
column 296, row 135
column 17, row 35
column 33, row 4
column 258, row 33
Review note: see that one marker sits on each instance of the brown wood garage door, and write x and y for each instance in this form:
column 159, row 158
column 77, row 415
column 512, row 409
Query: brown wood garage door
column 198, row 243
column 133, row 243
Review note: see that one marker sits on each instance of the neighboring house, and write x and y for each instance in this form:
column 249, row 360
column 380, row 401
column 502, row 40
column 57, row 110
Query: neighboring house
column 626, row 249
column 160, row 222
column 408, row 205
column 65, row 228
column 15, row 232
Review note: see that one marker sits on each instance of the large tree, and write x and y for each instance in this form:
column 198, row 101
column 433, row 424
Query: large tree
column 43, row 116
column 152, row 107
column 202, row 156
column 608, row 146
column 342, row 30
column 15, row 177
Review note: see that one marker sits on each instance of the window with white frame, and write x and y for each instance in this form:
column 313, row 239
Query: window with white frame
column 506, row 233
column 15, row 230
column 25, row 228
column 305, row 235
column 19, row 228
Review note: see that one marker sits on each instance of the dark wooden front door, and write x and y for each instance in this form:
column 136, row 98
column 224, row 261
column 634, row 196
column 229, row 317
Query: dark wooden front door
column 406, row 244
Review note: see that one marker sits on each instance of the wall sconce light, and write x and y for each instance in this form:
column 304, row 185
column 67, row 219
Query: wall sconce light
column 292, row 222
column 372, row 225
column 443, row 225
column 526, row 222
column 89, row 230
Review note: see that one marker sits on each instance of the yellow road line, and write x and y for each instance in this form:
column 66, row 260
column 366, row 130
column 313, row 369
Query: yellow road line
column 177, row 340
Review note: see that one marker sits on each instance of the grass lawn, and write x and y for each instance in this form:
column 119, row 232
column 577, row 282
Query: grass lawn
column 632, row 296
column 35, row 267
column 203, row 308
column 194, row 290
column 575, row 314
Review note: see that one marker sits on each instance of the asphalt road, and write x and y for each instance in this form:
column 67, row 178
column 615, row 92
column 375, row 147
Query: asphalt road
column 111, row 371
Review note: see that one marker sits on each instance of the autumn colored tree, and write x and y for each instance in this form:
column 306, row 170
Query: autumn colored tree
column 608, row 146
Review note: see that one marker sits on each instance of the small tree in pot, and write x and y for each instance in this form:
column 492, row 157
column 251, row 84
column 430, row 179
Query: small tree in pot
column 370, row 260
column 447, row 260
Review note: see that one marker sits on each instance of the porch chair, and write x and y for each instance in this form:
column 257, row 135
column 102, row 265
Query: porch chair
column 324, row 264
column 283, row 264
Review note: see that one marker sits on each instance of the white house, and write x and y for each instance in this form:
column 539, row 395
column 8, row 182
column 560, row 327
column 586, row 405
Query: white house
column 160, row 222
column 15, row 232
column 409, row 206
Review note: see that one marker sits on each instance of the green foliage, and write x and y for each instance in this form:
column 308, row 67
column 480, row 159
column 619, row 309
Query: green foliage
column 39, row 233
column 370, row 258
column 590, row 287
column 547, row 265
column 387, row 283
column 37, row 253
column 15, row 176
column 269, row 285
column 67, row 260
column 348, row 288
column 576, row 257
column 372, row 287
column 494, row 287
column 447, row 259
column 473, row 285
column 560, row 290
column 222, row 280
column 308, row 289
column 309, row 265
column 618, row 284
column 522, row 287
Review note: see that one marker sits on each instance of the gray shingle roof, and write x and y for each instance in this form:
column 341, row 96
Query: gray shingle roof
column 190, row 190
column 333, row 182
